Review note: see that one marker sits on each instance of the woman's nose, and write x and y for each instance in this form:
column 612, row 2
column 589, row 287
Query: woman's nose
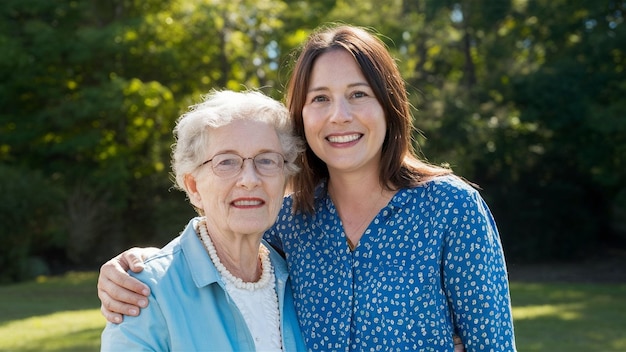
column 249, row 176
column 341, row 111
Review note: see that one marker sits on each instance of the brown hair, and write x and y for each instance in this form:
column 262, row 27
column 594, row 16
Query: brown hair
column 399, row 167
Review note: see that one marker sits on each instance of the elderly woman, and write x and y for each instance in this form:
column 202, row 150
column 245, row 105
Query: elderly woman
column 218, row 286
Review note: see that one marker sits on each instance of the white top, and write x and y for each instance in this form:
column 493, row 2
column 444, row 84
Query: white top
column 260, row 311
column 257, row 301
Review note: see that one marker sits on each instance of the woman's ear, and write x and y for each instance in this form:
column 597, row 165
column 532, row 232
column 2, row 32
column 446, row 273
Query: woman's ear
column 192, row 191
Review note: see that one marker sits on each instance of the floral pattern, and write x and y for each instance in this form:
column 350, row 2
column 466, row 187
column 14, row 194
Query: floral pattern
column 429, row 265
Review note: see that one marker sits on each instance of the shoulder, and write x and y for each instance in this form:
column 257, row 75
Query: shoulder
column 441, row 196
column 288, row 200
column 287, row 216
column 285, row 210
column 444, row 187
column 169, row 260
column 158, row 265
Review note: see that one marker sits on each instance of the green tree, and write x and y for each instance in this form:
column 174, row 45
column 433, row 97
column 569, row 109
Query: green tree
column 530, row 112
column 522, row 98
column 578, row 146
column 89, row 92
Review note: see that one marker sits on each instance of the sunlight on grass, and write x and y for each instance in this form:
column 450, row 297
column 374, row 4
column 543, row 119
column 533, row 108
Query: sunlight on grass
column 58, row 331
column 63, row 314
column 58, row 313
column 559, row 311
column 569, row 316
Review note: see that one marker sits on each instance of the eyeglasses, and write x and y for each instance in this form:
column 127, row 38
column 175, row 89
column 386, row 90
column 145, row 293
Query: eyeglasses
column 266, row 164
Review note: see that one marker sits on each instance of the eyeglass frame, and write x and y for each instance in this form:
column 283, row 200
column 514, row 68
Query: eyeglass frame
column 243, row 160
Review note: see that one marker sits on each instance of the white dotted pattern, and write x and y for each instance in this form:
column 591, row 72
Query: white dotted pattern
column 429, row 264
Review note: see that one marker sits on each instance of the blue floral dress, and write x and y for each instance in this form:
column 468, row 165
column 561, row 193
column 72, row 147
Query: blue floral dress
column 428, row 266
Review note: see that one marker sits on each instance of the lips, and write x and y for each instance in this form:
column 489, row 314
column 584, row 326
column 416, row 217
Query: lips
column 248, row 203
column 344, row 138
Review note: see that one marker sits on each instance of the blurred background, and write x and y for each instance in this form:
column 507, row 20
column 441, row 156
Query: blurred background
column 526, row 98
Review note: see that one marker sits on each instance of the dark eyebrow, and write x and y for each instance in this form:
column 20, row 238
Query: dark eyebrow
column 352, row 85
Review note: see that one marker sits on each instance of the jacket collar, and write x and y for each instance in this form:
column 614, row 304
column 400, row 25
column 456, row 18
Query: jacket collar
column 203, row 271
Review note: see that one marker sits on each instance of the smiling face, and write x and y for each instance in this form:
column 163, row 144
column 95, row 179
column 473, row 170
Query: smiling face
column 246, row 203
column 343, row 121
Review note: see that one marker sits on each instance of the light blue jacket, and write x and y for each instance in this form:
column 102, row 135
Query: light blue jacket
column 189, row 308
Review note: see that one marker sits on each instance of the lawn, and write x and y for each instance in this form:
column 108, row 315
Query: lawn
column 569, row 317
column 62, row 314
column 51, row 314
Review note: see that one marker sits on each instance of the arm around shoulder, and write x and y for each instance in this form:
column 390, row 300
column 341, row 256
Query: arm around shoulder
column 120, row 293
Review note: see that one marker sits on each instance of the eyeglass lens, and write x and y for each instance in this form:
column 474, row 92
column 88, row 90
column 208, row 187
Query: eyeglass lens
column 265, row 163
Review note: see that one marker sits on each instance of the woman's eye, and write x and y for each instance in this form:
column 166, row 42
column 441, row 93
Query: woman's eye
column 319, row 98
column 228, row 162
column 359, row 94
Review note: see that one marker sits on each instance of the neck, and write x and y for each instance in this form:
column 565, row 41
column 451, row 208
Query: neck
column 357, row 208
column 238, row 254
column 350, row 188
column 243, row 264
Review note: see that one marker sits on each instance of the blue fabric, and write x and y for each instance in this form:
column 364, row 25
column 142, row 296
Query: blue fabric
column 189, row 309
column 430, row 263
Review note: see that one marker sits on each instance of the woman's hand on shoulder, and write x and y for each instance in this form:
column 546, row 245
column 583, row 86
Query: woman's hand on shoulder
column 120, row 293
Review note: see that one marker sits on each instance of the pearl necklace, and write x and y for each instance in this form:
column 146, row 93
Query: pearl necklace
column 261, row 314
column 266, row 264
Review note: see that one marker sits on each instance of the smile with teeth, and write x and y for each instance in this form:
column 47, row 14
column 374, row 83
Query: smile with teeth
column 248, row 203
column 344, row 139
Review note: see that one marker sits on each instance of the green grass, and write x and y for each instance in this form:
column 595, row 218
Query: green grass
column 62, row 314
column 569, row 317
column 51, row 314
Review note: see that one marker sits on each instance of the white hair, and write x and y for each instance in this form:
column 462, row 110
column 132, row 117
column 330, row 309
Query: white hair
column 220, row 108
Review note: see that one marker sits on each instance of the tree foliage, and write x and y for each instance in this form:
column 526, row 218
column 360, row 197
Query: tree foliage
column 524, row 97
